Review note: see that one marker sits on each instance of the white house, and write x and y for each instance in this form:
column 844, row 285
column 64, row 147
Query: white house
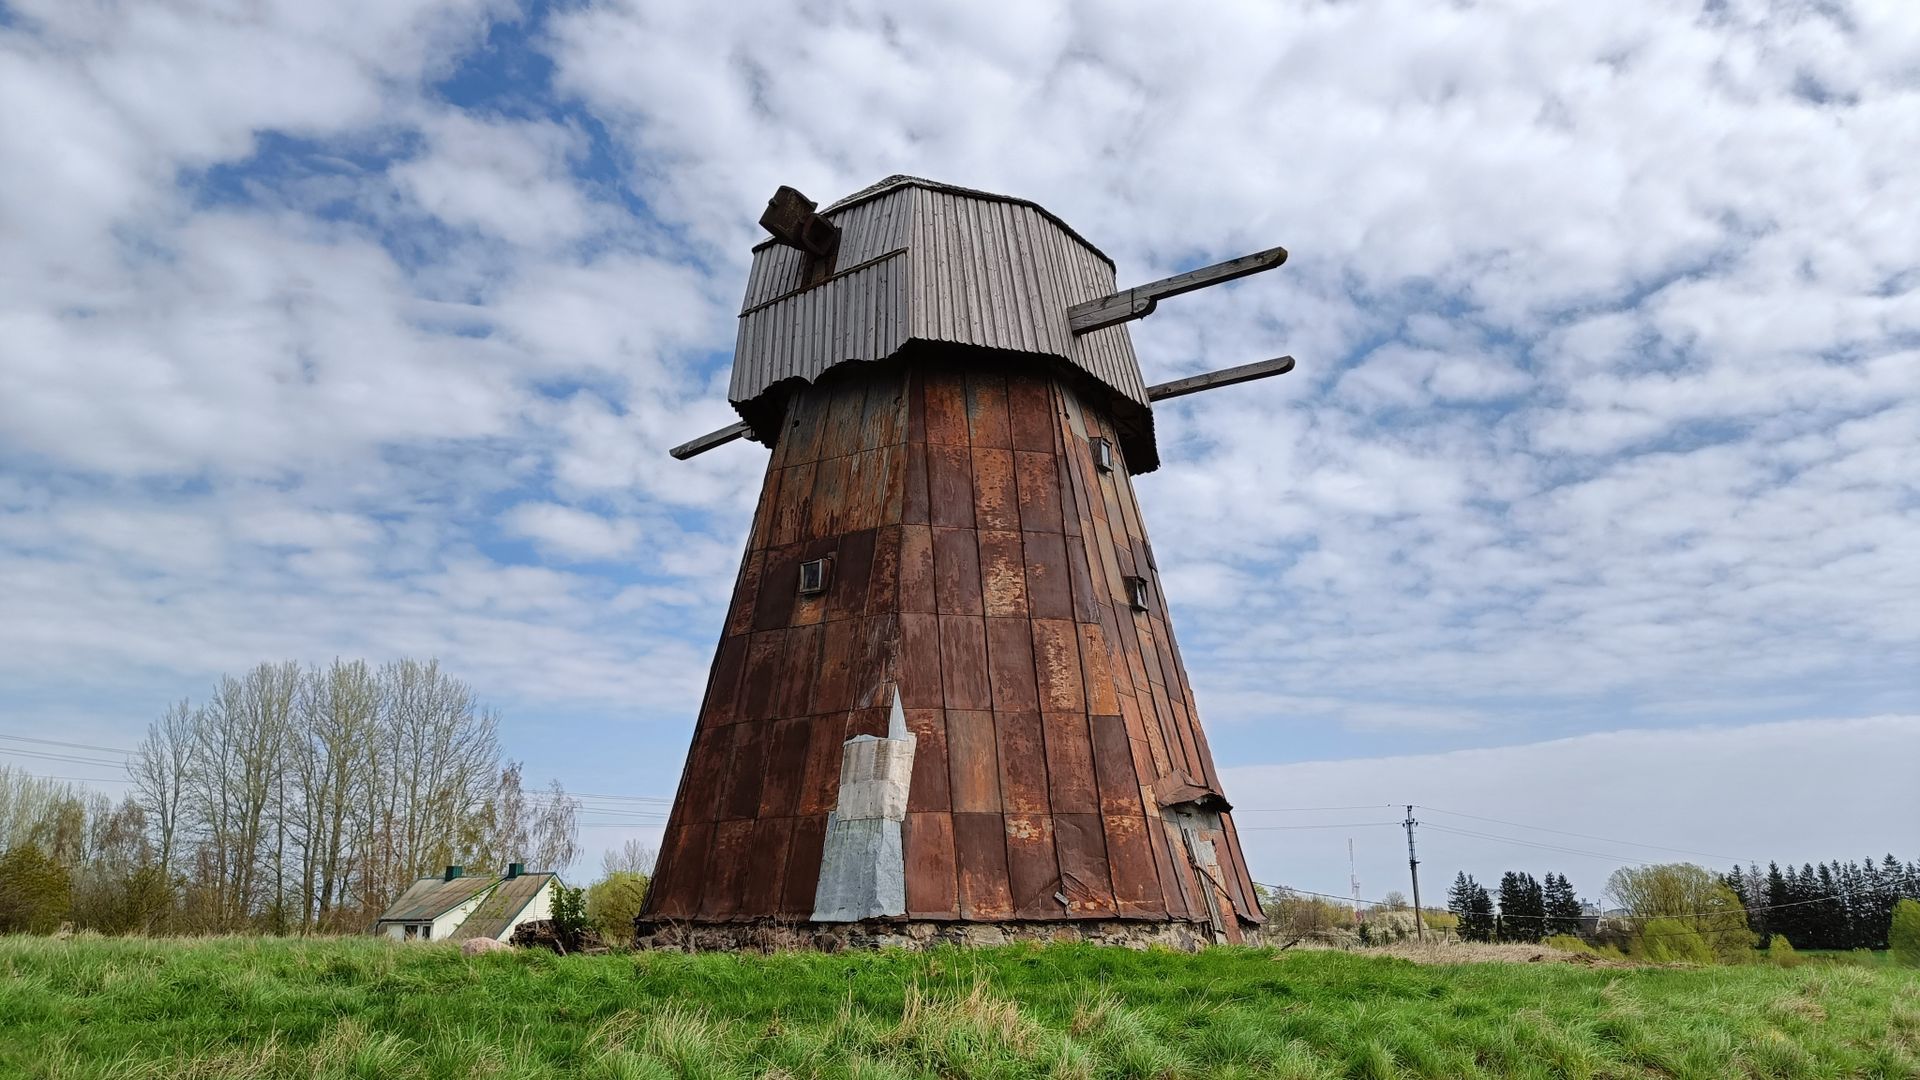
column 455, row 907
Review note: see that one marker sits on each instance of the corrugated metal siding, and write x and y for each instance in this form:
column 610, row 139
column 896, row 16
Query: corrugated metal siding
column 977, row 271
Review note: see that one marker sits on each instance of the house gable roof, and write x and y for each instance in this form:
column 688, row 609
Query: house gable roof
column 505, row 904
column 431, row 897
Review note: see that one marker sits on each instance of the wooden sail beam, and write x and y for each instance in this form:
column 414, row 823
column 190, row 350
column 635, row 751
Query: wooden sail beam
column 1213, row 380
column 694, row 447
column 1140, row 300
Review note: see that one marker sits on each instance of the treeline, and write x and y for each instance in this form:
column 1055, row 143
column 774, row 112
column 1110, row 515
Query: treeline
column 1678, row 909
column 1834, row 905
column 1529, row 910
column 292, row 800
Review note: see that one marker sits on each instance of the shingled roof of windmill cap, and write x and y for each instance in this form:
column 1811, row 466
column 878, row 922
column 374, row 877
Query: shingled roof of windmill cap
column 900, row 180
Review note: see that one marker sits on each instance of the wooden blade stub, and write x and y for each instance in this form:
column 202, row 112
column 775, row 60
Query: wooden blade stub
column 1213, row 380
column 711, row 439
column 1140, row 300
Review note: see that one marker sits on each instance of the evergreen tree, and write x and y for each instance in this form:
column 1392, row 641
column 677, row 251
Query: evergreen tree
column 1562, row 906
column 1779, row 893
column 1480, row 911
column 1523, row 910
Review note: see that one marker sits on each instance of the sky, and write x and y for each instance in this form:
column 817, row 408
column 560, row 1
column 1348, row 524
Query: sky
column 361, row 329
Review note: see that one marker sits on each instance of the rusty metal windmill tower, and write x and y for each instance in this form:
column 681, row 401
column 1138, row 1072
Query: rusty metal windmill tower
column 947, row 702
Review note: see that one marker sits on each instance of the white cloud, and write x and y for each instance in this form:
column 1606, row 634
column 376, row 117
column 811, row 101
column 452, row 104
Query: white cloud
column 566, row 531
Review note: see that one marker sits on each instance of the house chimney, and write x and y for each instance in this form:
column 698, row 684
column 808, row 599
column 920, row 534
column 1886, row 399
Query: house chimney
column 515, row 869
column 454, row 872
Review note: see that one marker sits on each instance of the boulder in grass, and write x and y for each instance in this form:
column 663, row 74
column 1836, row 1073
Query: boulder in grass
column 481, row 945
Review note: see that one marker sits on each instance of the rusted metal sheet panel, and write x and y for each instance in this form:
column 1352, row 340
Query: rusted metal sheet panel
column 727, row 869
column 963, row 662
column 987, row 410
column 706, row 774
column 996, row 500
column 682, row 871
column 1010, row 664
column 1119, row 782
column 1030, row 415
column 820, row 779
column 1071, row 788
column 761, row 680
column 1136, row 880
column 919, row 670
column 927, row 790
column 792, row 686
column 1103, row 696
column 786, row 767
column 870, row 676
column 1080, row 840
column 803, row 865
column 833, row 687
column 746, row 590
column 1003, row 574
column 723, row 684
column 1049, row 585
column 932, row 878
column 1033, row 871
column 1056, row 664
column 980, row 843
column 1023, row 762
column 917, row 592
column 771, row 844
column 956, row 572
column 1035, row 479
column 914, row 497
column 973, row 761
column 746, row 771
column 945, row 395
column 950, row 482
column 779, row 582
column 883, row 581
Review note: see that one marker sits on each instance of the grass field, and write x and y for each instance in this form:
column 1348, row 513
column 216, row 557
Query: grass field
column 257, row 1008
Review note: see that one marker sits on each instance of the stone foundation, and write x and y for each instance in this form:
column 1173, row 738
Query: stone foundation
column 770, row 936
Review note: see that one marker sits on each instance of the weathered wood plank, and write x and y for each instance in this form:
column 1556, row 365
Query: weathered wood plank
column 1129, row 304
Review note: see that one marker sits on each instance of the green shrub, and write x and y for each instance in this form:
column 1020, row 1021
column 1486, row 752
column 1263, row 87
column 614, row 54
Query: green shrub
column 1781, row 951
column 1569, row 943
column 1671, row 941
column 1904, row 936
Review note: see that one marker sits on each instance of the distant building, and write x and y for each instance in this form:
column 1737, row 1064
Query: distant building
column 454, row 907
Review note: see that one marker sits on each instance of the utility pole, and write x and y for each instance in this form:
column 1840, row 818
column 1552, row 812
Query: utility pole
column 1413, row 868
column 1353, row 879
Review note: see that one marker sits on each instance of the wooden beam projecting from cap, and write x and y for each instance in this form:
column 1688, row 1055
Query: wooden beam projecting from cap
column 1213, row 380
column 1140, row 300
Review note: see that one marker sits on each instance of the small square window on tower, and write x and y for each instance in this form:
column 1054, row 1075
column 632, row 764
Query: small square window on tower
column 1102, row 454
column 1137, row 593
column 813, row 576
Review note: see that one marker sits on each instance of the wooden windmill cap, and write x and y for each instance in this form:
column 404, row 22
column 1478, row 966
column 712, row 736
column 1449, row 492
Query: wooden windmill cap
column 920, row 265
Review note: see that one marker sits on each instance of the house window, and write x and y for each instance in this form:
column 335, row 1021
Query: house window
column 1137, row 593
column 1102, row 454
column 813, row 576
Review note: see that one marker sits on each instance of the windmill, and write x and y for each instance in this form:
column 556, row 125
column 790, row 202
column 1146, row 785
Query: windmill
column 947, row 702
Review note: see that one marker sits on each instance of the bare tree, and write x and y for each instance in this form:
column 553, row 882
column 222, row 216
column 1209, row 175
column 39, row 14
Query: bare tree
column 635, row 856
column 159, row 771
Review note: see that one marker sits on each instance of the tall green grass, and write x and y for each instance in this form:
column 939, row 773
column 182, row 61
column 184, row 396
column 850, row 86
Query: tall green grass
column 364, row 1008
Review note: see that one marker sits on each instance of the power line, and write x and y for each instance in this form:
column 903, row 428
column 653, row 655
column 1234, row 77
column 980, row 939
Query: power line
column 1604, row 857
column 71, row 759
column 1336, row 825
column 73, row 745
column 1305, row 809
column 1583, row 836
